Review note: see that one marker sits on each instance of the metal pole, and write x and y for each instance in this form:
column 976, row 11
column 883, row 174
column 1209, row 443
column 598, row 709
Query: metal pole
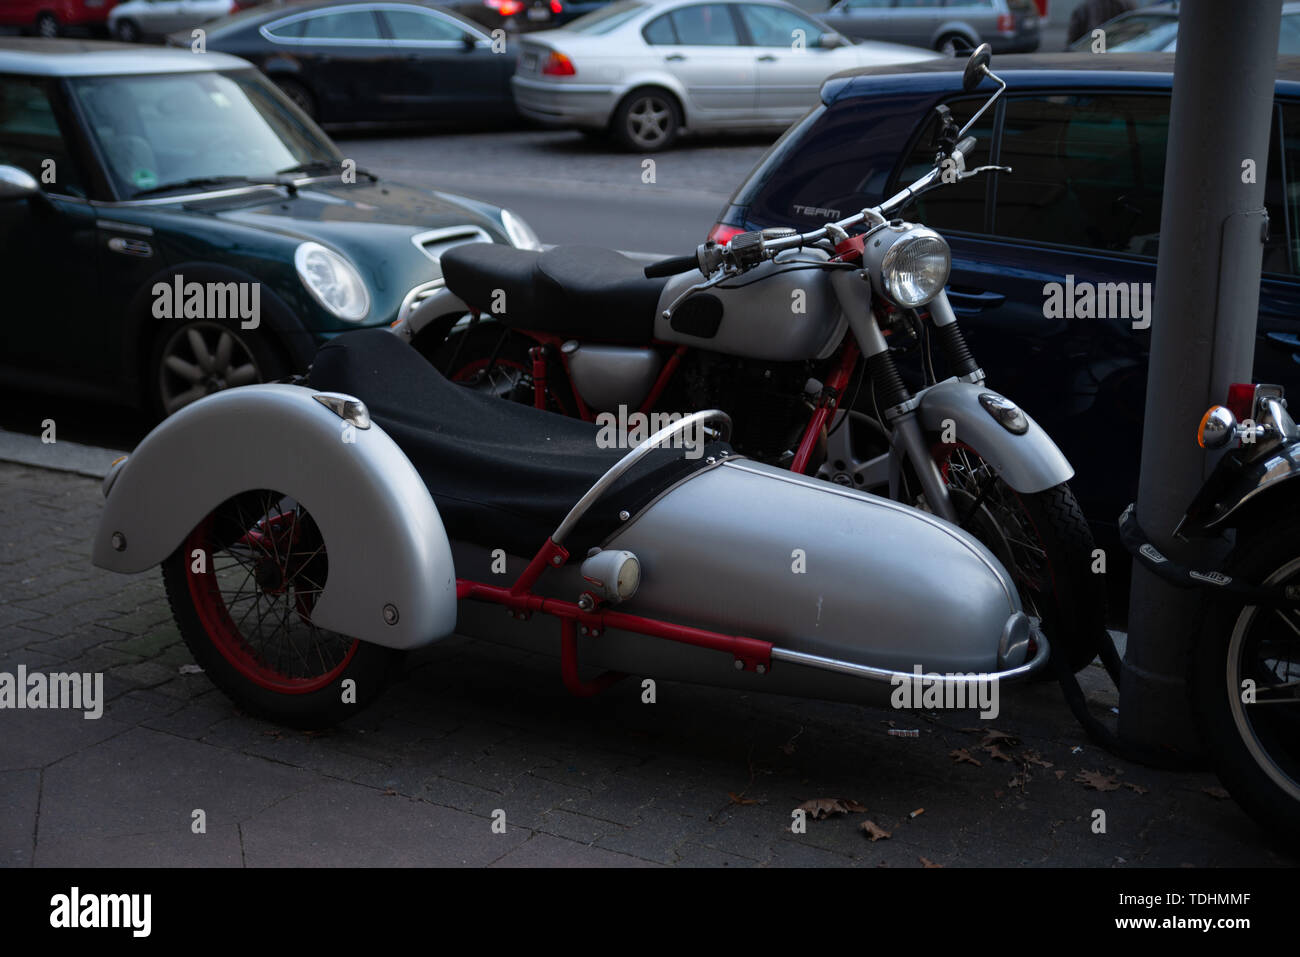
column 1203, row 324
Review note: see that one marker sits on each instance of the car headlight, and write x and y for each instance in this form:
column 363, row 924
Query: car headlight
column 520, row 233
column 912, row 263
column 333, row 281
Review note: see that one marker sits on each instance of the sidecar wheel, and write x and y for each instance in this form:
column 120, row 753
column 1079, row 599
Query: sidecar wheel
column 1044, row 541
column 1255, row 747
column 242, row 587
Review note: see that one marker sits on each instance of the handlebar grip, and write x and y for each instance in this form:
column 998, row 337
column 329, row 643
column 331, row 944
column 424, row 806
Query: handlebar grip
column 671, row 267
column 965, row 147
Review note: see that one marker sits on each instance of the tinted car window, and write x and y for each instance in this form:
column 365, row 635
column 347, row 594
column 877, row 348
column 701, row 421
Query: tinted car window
column 867, row 4
column 660, row 31
column 958, row 206
column 775, row 27
column 709, row 24
column 350, row 25
column 30, row 134
column 1284, row 223
column 1288, row 41
column 413, row 25
column 286, row 30
column 1088, row 171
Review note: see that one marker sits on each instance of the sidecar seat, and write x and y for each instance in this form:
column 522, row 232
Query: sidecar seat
column 503, row 475
column 581, row 291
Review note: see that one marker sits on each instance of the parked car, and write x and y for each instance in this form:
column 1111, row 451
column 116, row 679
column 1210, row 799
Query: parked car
column 1154, row 29
column 376, row 62
column 130, row 178
column 52, row 18
column 521, row 16
column 1086, row 140
column 953, row 27
column 646, row 70
column 135, row 20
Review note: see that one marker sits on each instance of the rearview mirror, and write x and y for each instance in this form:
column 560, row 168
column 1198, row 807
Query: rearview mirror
column 468, row 42
column 976, row 67
column 17, row 183
column 831, row 41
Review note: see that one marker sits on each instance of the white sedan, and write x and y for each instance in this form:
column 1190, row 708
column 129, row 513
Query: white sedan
column 647, row 70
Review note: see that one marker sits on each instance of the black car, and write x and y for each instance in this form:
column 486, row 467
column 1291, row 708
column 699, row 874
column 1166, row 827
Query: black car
column 380, row 62
column 1086, row 139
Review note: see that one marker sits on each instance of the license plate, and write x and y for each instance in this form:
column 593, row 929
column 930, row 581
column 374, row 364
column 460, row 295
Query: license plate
column 529, row 63
column 538, row 13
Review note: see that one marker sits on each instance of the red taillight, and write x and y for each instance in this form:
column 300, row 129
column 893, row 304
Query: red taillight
column 507, row 8
column 1241, row 400
column 556, row 7
column 557, row 64
column 722, row 233
column 1006, row 23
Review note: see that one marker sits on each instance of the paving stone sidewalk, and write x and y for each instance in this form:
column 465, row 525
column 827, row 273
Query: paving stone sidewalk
column 702, row 777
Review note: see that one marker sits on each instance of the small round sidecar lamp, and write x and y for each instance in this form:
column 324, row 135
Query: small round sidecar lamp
column 1218, row 427
column 613, row 575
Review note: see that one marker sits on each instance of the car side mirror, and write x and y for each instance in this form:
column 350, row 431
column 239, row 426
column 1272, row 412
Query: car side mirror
column 831, row 41
column 468, row 42
column 976, row 67
column 17, row 183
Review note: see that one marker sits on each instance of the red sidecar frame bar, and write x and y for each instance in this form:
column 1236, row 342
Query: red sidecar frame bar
column 751, row 654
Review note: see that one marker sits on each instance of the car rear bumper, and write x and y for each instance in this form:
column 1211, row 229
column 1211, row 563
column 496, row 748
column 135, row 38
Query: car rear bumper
column 586, row 105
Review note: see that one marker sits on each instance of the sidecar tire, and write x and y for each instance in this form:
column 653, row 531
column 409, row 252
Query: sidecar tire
column 1255, row 558
column 315, row 706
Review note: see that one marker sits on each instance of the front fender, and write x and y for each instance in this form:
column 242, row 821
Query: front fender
column 1028, row 463
column 1238, row 492
column 384, row 538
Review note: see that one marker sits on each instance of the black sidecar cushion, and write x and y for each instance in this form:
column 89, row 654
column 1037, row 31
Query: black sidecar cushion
column 582, row 291
column 503, row 475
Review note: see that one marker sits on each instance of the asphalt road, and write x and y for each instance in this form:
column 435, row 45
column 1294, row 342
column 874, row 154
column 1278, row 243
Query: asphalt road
column 572, row 189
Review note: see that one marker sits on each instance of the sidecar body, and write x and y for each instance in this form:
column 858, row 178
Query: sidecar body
column 439, row 507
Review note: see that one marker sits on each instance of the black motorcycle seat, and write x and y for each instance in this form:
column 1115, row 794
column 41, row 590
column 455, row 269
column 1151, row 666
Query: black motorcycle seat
column 581, row 291
column 503, row 475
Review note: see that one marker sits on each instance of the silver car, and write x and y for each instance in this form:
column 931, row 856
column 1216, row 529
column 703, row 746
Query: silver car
column 135, row 19
column 646, row 70
column 950, row 26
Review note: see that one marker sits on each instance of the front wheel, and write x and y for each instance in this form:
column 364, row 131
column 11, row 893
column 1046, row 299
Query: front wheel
column 1245, row 672
column 1043, row 540
column 242, row 587
column 126, row 31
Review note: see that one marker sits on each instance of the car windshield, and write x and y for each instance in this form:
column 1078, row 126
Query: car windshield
column 1135, row 34
column 182, row 129
column 607, row 18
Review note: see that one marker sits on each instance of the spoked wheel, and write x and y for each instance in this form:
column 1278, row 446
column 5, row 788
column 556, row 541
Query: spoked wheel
column 1043, row 540
column 243, row 586
column 1245, row 686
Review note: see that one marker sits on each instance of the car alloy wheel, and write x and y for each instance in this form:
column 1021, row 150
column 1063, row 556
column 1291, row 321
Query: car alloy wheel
column 47, row 25
column 202, row 358
column 650, row 121
column 127, row 31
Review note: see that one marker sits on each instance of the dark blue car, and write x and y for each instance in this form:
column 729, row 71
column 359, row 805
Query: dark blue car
column 1085, row 136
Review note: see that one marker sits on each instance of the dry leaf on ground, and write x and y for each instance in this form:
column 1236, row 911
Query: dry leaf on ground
column 740, row 799
column 994, row 736
column 1097, row 781
column 962, row 756
column 1217, row 792
column 926, row 864
column 997, row 753
column 874, row 830
column 819, row 808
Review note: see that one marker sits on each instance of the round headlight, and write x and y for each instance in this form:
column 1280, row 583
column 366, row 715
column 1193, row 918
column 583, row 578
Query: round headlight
column 915, row 268
column 520, row 233
column 333, row 281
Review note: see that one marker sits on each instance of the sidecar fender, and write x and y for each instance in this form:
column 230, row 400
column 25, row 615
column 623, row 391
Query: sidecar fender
column 1029, row 462
column 384, row 539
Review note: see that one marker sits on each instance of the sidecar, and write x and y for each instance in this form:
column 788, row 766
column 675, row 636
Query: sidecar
column 307, row 532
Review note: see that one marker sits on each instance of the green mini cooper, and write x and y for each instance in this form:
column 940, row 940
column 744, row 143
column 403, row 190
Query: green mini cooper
column 171, row 225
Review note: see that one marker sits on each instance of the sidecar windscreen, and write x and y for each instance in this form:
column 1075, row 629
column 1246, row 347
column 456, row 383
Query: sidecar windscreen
column 503, row 475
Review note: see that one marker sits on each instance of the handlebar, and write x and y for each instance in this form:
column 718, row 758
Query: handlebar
column 672, row 266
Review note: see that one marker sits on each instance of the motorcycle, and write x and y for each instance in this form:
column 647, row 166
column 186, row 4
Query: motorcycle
column 1244, row 675
column 787, row 331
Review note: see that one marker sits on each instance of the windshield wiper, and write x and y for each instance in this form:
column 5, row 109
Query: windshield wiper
column 196, row 181
column 323, row 166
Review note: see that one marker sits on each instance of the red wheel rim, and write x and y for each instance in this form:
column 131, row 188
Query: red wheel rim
column 262, row 568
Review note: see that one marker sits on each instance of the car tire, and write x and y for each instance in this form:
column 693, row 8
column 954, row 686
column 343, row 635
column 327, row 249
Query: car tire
column 127, row 31
column 647, row 120
column 47, row 25
column 186, row 363
column 300, row 95
column 953, row 44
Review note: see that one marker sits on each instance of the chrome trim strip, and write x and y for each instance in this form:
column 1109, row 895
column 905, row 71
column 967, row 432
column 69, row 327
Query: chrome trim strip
column 124, row 227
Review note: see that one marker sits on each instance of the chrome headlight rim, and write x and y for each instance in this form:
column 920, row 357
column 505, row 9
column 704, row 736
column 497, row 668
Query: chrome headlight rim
column 358, row 311
column 905, row 243
column 520, row 234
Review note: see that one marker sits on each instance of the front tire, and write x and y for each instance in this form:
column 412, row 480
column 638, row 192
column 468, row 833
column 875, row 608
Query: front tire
column 126, row 31
column 1255, row 747
column 1043, row 540
column 646, row 121
column 195, row 359
column 242, row 587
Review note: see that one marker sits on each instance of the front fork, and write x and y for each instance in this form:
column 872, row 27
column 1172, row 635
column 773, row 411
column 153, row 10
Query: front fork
column 898, row 407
